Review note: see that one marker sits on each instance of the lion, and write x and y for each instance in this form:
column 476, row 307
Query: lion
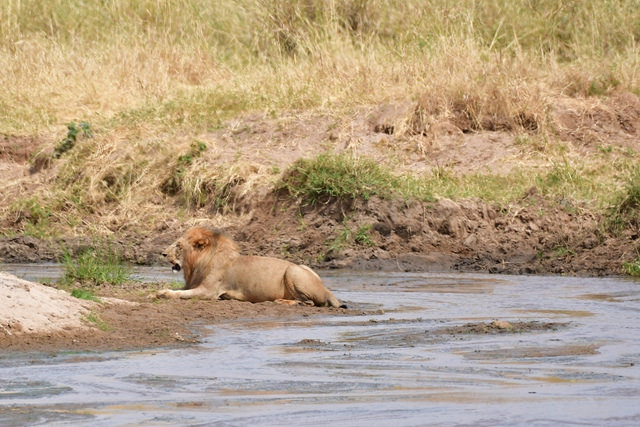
column 213, row 268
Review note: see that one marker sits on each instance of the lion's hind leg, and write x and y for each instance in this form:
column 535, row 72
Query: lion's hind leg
column 303, row 284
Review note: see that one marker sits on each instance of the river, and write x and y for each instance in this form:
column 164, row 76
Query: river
column 419, row 359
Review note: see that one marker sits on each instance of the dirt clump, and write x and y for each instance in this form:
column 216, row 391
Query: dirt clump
column 500, row 327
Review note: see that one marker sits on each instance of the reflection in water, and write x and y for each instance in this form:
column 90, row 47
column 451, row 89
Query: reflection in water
column 433, row 354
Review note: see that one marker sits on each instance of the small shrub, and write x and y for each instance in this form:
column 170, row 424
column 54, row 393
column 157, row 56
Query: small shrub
column 94, row 267
column 81, row 129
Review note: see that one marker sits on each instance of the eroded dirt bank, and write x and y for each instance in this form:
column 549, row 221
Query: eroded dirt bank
column 395, row 235
column 537, row 233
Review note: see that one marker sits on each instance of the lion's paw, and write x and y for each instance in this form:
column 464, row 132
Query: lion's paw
column 164, row 293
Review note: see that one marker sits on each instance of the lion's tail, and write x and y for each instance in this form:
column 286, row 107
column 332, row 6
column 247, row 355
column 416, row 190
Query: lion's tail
column 334, row 302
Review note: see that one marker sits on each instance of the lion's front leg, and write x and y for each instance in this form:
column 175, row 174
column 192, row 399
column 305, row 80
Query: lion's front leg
column 198, row 292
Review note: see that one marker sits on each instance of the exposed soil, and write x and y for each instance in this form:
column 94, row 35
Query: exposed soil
column 441, row 236
column 403, row 236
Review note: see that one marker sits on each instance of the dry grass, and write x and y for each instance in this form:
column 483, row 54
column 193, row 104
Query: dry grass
column 195, row 62
column 153, row 77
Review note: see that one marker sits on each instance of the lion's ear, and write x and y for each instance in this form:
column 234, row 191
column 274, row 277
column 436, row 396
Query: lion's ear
column 201, row 243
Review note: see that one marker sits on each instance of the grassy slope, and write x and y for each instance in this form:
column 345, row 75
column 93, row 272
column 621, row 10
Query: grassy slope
column 157, row 79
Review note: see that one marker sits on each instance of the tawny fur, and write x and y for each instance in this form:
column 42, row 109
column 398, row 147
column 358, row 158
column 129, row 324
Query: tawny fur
column 213, row 268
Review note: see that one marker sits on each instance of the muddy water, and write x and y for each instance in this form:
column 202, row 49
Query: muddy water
column 416, row 360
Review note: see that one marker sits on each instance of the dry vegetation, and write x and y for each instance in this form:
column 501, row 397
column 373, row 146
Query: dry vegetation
column 191, row 107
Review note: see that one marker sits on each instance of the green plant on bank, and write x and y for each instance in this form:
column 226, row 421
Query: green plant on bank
column 175, row 182
column 346, row 237
column 86, row 294
column 82, row 129
column 625, row 211
column 94, row 318
column 344, row 176
column 363, row 236
column 632, row 268
column 562, row 251
column 34, row 215
column 94, row 267
column 339, row 176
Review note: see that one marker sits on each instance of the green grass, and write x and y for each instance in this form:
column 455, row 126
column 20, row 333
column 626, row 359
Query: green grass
column 632, row 268
column 86, row 294
column 341, row 176
column 625, row 211
column 94, row 267
column 363, row 236
column 344, row 176
column 94, row 318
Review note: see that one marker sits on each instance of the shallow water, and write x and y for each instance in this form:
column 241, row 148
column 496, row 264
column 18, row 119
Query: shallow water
column 396, row 368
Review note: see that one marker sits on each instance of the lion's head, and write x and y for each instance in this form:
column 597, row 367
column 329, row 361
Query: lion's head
column 195, row 252
column 174, row 253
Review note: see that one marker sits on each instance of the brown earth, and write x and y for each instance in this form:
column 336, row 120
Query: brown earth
column 444, row 235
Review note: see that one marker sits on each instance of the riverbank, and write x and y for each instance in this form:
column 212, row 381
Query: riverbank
column 37, row 317
column 534, row 236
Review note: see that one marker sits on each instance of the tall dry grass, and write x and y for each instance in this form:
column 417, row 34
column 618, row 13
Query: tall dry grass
column 197, row 62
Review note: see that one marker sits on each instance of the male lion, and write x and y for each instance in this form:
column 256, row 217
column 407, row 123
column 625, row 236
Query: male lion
column 213, row 268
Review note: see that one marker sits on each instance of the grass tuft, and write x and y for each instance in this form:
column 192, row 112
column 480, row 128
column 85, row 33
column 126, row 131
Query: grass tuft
column 94, row 267
column 86, row 294
column 338, row 176
column 632, row 268
column 94, row 318
column 625, row 211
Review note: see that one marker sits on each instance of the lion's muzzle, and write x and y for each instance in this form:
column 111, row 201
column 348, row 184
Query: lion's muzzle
column 170, row 256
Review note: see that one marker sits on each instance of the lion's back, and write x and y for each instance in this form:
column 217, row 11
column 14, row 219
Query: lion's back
column 257, row 271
